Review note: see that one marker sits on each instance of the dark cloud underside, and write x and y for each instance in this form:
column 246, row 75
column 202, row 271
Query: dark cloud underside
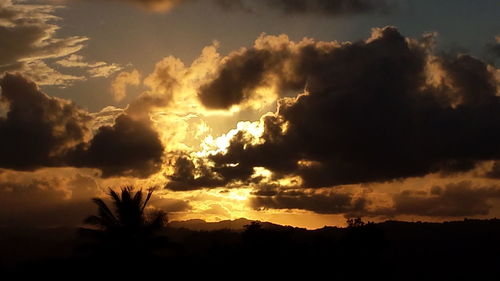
column 451, row 200
column 322, row 203
column 128, row 148
column 286, row 7
column 376, row 110
column 328, row 7
column 37, row 129
column 42, row 131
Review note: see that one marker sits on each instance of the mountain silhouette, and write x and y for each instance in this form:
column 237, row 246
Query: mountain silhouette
column 237, row 224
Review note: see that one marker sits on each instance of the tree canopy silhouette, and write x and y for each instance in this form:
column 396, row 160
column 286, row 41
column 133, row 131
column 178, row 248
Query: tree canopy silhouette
column 126, row 230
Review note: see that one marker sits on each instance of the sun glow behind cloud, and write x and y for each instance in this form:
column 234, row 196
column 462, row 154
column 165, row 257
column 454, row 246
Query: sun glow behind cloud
column 229, row 204
column 214, row 145
column 183, row 130
column 212, row 111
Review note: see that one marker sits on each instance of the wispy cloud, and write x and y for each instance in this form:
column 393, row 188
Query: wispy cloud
column 27, row 35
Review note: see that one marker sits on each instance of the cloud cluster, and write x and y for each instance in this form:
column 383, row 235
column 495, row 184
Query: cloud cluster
column 191, row 174
column 128, row 148
column 163, row 82
column 375, row 110
column 325, row 202
column 28, row 44
column 42, row 131
column 28, row 37
column 37, row 129
column 460, row 199
column 121, row 81
column 453, row 200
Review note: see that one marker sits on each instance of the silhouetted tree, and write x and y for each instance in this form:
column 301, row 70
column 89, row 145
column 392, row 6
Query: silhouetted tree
column 126, row 231
column 253, row 234
column 355, row 222
column 253, row 227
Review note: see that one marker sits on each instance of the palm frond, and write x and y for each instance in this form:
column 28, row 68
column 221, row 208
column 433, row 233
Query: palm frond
column 127, row 225
column 114, row 195
column 148, row 196
column 137, row 200
column 105, row 213
column 126, row 194
column 116, row 198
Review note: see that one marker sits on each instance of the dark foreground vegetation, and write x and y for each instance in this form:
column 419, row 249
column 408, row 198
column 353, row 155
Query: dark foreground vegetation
column 395, row 250
column 461, row 250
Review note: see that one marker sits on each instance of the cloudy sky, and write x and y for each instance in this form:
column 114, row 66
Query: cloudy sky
column 291, row 111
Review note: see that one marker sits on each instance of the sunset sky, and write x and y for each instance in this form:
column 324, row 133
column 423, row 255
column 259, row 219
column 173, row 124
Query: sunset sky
column 297, row 112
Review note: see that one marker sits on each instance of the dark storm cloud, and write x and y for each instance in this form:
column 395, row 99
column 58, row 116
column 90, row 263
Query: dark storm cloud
column 295, row 66
column 328, row 7
column 184, row 178
column 241, row 74
column 453, row 200
column 37, row 129
column 42, row 131
column 319, row 202
column 376, row 110
column 309, row 7
column 287, row 7
column 128, row 148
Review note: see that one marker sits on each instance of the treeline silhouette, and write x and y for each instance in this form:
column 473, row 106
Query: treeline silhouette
column 125, row 239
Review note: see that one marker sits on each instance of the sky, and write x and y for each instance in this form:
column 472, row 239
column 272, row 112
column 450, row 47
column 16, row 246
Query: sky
column 296, row 112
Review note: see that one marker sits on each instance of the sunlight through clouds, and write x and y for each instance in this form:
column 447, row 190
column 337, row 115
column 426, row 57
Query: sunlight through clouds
column 266, row 126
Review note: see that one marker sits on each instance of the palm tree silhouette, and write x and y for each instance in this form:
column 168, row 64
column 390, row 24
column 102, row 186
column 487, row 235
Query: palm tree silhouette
column 127, row 231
